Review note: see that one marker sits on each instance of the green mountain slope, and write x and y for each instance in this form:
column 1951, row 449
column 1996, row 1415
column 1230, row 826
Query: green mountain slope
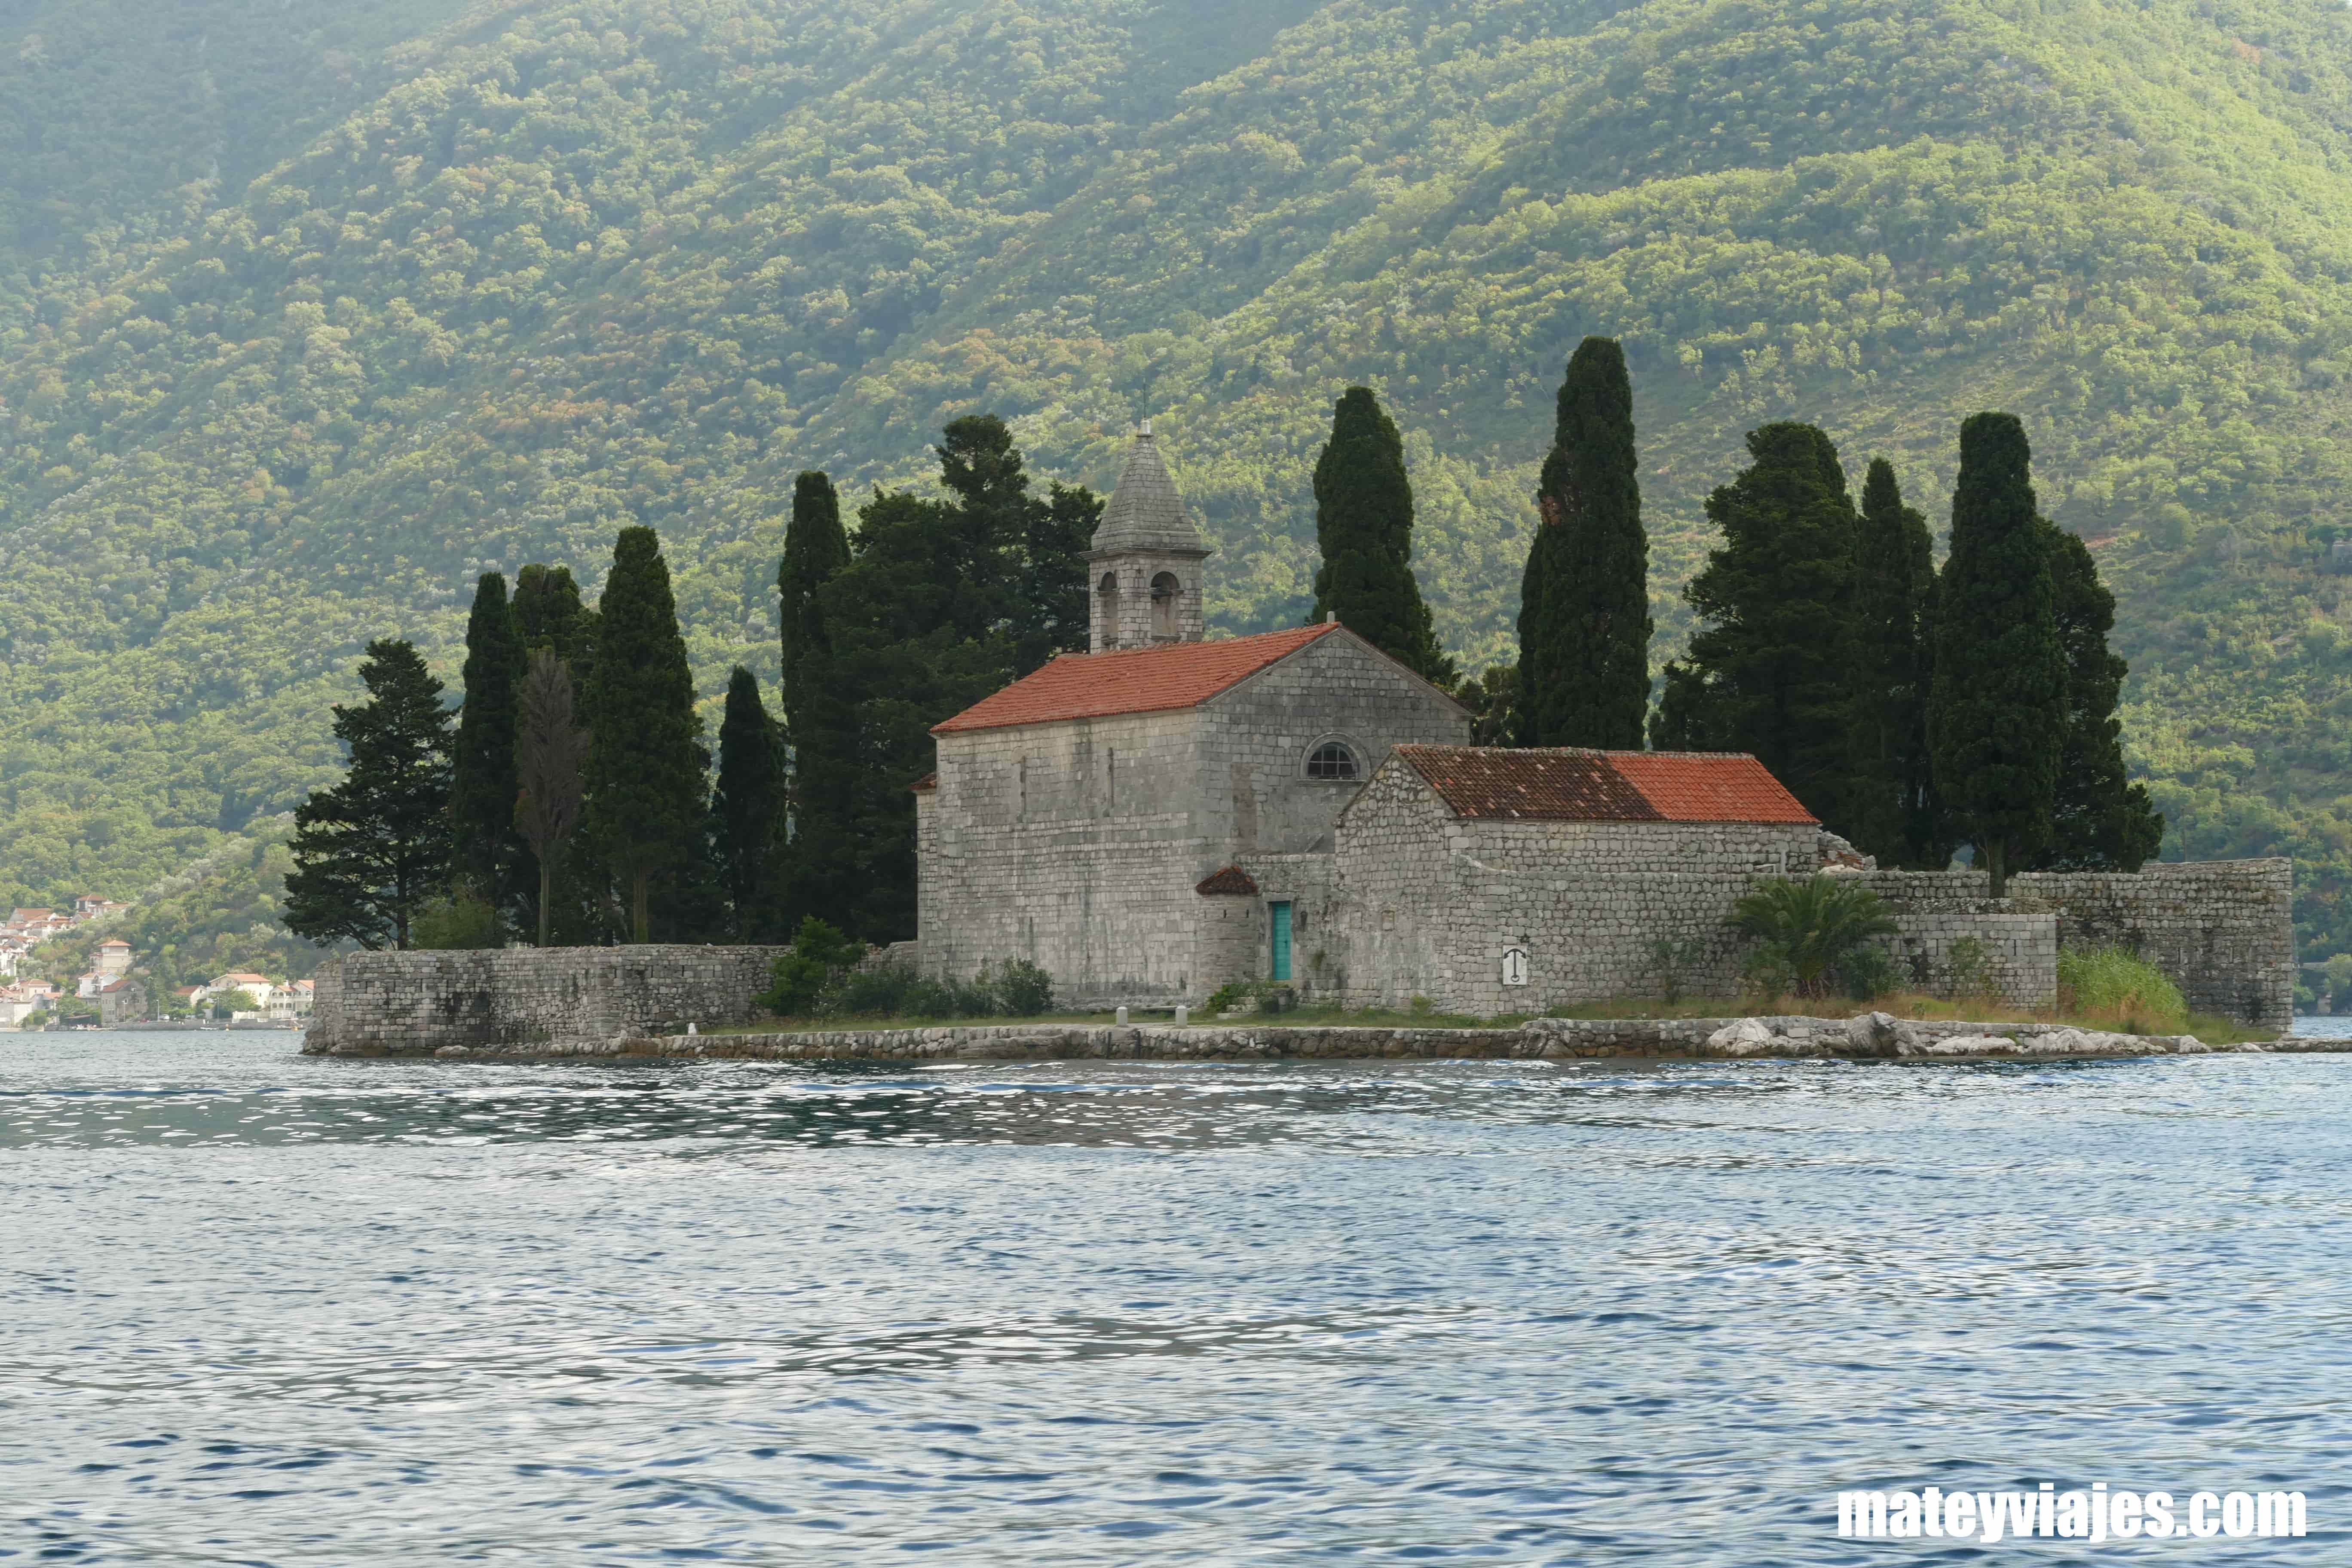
column 521, row 272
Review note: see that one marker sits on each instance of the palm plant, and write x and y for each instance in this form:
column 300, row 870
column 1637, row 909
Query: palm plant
column 1808, row 926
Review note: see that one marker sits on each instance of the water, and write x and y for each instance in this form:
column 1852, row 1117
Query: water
column 262, row 1310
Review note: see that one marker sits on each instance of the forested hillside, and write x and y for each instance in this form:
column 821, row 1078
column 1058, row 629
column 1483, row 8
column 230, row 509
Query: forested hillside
column 309, row 313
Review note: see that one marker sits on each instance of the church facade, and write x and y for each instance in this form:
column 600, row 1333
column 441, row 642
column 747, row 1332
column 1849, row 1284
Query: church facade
column 1163, row 814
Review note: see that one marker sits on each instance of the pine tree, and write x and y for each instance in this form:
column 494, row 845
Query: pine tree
column 2100, row 820
column 487, row 854
column 1768, row 671
column 1997, row 711
column 747, row 810
column 645, row 758
column 370, row 851
column 1584, row 600
column 815, row 549
column 1363, row 525
column 1894, row 814
column 551, row 749
column 1049, row 614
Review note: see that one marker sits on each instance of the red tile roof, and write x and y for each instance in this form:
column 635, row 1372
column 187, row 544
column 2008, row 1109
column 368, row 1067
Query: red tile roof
column 1232, row 880
column 1566, row 785
column 1711, row 786
column 925, row 784
column 1132, row 680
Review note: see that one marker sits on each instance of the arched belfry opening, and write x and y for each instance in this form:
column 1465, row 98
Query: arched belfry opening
column 1147, row 558
column 1167, row 596
column 1105, row 608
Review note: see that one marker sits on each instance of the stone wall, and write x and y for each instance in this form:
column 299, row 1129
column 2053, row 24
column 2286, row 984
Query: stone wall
column 1072, row 845
column 422, row 1002
column 2222, row 930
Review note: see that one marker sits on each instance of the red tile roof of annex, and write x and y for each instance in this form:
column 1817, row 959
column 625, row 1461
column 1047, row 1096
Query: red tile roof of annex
column 1576, row 785
column 1132, row 680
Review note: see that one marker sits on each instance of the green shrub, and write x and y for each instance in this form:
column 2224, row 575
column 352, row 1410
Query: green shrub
column 799, row 978
column 1804, row 927
column 459, row 920
column 1022, row 989
column 1868, row 972
column 2110, row 983
column 1228, row 998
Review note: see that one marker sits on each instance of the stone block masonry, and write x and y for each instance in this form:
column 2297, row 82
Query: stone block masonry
column 526, row 999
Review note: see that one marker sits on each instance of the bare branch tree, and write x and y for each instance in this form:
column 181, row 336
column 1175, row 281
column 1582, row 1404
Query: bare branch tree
column 549, row 749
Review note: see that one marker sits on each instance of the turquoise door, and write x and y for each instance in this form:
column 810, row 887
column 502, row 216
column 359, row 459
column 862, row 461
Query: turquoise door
column 1281, row 940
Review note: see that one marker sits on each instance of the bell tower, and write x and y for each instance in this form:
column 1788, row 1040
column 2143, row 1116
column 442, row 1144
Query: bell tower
column 1145, row 564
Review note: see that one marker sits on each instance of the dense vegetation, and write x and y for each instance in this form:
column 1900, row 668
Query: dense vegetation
column 309, row 318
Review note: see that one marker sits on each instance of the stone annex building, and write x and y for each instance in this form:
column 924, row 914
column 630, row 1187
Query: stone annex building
column 1163, row 814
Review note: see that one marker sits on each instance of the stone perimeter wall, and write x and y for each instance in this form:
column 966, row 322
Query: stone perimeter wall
column 423, row 1004
column 1865, row 1037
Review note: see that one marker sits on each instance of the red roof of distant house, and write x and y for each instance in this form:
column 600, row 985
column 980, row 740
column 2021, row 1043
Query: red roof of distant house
column 1565, row 785
column 1132, row 681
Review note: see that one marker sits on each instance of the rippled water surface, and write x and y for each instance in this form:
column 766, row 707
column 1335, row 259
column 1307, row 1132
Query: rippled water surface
column 258, row 1308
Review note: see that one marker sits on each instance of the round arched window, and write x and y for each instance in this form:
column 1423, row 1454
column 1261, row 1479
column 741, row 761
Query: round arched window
column 1331, row 760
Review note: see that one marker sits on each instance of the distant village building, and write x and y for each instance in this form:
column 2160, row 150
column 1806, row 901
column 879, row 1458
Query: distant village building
column 113, row 957
column 121, row 1001
column 1163, row 814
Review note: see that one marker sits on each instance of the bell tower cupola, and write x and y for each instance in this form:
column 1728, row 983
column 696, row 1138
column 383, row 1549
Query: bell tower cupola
column 1145, row 564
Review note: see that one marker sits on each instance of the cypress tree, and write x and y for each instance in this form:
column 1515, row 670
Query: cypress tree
column 486, row 851
column 1768, row 671
column 645, row 758
column 815, row 549
column 747, row 809
column 1363, row 525
column 2100, row 820
column 1584, row 600
column 1894, row 814
column 369, row 852
column 1997, row 709
column 548, row 613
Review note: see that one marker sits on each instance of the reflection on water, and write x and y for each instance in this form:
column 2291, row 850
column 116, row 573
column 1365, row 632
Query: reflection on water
column 263, row 1309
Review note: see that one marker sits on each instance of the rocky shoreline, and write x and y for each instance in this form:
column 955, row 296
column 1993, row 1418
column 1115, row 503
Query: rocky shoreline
column 1867, row 1037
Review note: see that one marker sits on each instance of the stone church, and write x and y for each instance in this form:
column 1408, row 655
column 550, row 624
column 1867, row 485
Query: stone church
column 1164, row 813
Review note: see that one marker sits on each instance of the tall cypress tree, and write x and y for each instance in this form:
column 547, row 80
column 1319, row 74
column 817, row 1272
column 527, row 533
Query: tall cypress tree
column 645, row 758
column 1997, row 709
column 1894, row 814
column 369, row 852
column 747, row 810
column 487, row 852
column 1363, row 525
column 548, row 613
column 2100, row 820
column 1768, row 671
column 1584, row 601
column 815, row 549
